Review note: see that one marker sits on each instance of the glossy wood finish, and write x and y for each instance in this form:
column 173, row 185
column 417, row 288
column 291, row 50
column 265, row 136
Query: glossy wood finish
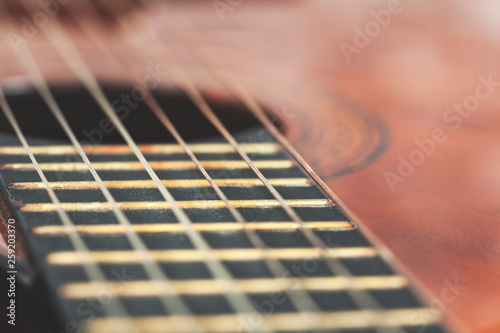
column 354, row 120
column 442, row 222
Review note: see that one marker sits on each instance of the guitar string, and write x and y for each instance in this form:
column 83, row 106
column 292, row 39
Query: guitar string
column 91, row 268
column 225, row 77
column 70, row 53
column 172, row 302
column 299, row 297
column 152, row 268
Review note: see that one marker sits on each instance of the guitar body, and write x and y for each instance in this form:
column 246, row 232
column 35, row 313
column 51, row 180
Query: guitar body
column 372, row 113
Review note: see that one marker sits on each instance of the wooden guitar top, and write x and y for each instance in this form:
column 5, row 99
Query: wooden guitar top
column 439, row 213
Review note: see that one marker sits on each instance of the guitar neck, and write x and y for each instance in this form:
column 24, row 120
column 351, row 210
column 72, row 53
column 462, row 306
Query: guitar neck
column 359, row 284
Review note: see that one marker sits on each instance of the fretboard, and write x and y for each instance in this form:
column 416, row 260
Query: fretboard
column 71, row 297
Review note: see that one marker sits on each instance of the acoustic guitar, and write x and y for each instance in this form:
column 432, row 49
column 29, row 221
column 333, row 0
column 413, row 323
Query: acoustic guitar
column 249, row 166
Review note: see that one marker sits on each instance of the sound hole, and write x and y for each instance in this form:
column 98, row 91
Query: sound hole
column 91, row 126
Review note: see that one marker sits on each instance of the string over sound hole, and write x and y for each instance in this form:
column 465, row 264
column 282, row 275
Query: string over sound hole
column 92, row 127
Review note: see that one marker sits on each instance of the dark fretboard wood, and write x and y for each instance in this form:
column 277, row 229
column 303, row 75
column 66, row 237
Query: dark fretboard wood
column 71, row 293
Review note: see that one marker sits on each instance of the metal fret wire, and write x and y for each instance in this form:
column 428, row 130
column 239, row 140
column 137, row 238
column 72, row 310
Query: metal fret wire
column 299, row 297
column 229, row 81
column 91, row 268
column 71, row 55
